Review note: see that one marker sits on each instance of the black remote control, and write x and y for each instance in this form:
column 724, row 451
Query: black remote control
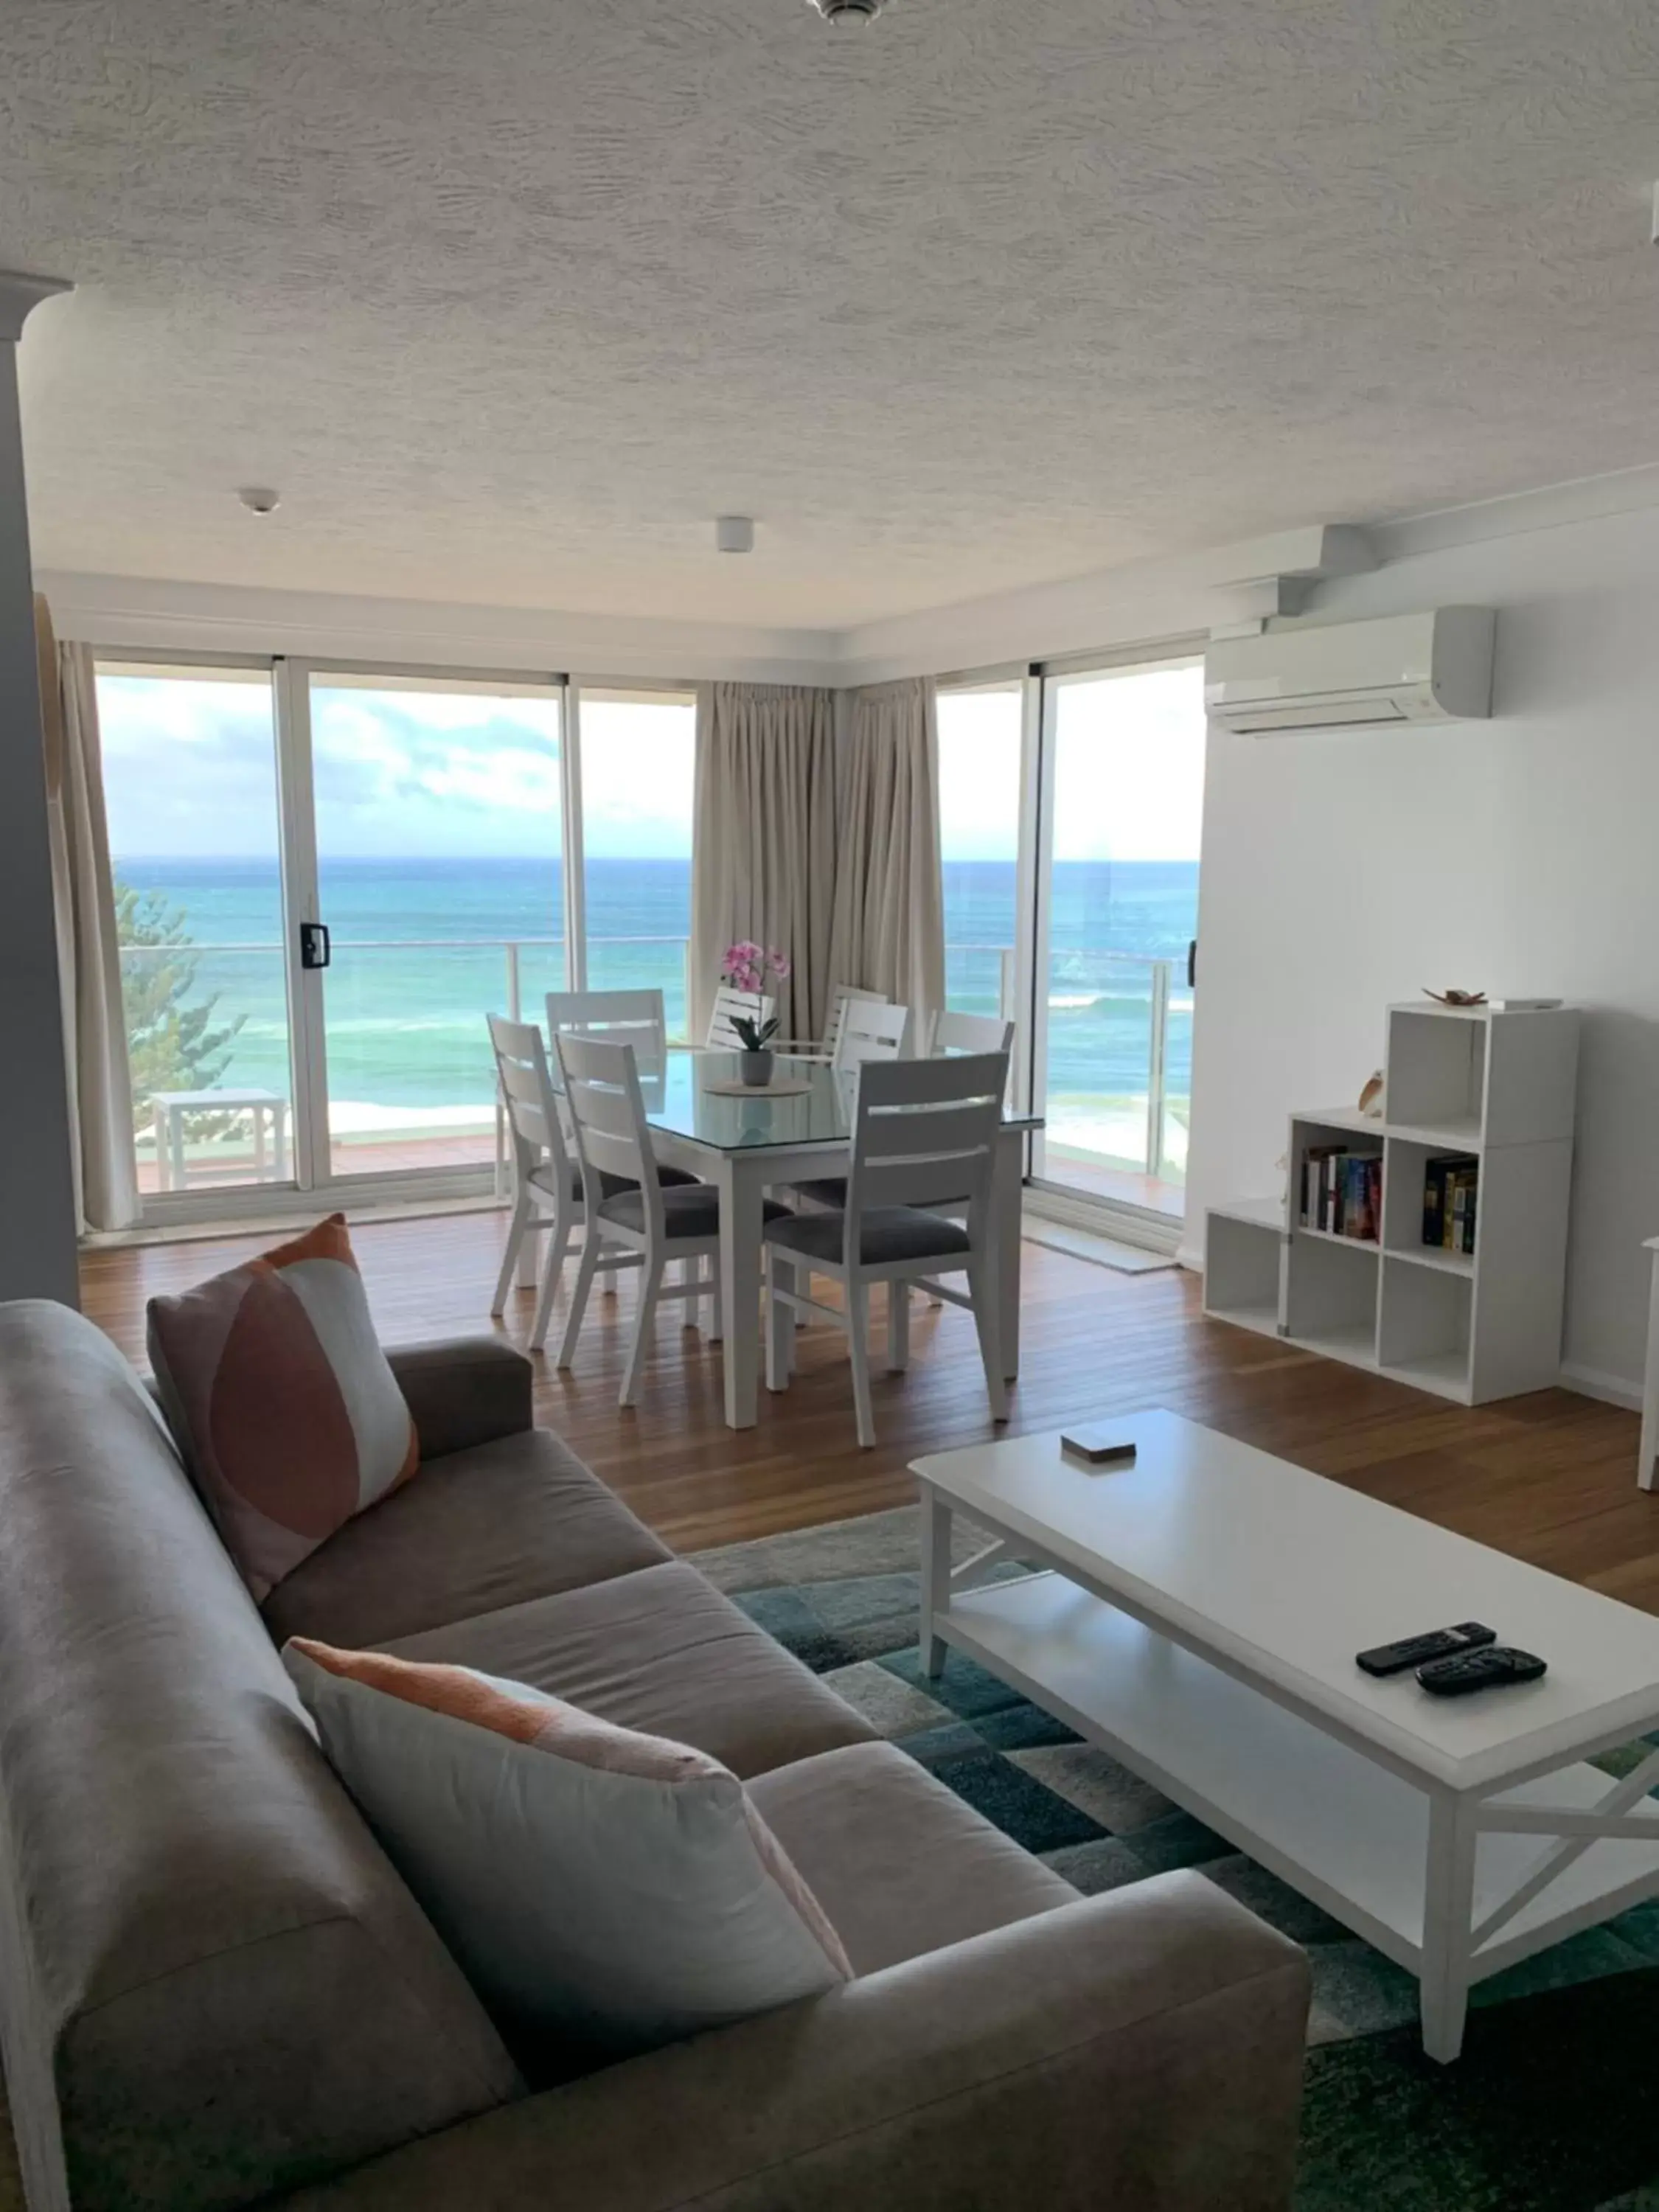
column 1439, row 1643
column 1480, row 1670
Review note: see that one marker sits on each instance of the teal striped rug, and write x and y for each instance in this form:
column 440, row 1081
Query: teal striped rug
column 1554, row 2106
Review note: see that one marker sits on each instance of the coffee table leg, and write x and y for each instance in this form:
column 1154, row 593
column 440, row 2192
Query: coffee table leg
column 1448, row 1915
column 935, row 1579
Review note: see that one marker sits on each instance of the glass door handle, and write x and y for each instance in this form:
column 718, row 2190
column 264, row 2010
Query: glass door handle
column 1192, row 963
column 315, row 949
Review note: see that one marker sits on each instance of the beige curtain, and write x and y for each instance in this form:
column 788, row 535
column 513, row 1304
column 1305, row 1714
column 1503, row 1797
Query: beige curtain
column 89, row 962
column 763, row 842
column 888, row 929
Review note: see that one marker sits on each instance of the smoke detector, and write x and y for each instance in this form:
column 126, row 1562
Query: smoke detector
column 735, row 534
column 848, row 11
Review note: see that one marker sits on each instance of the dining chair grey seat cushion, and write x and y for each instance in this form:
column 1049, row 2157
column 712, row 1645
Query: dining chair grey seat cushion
column 885, row 1233
column 691, row 1209
column 612, row 1185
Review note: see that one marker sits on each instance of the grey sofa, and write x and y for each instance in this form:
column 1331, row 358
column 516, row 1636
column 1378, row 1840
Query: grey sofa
column 215, row 1992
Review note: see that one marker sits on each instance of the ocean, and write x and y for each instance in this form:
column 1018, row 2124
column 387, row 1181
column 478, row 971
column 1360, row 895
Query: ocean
column 419, row 959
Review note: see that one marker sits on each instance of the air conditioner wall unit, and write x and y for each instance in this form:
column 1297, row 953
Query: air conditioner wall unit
column 1429, row 667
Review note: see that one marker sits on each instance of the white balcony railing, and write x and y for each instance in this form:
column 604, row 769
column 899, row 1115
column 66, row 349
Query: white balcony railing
column 981, row 978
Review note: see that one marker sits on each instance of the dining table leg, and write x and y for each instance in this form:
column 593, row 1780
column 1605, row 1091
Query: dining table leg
column 1007, row 1198
column 740, row 1189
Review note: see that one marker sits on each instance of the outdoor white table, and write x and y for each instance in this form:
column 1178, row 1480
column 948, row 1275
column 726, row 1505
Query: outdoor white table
column 1200, row 1624
column 169, row 1109
column 745, row 1146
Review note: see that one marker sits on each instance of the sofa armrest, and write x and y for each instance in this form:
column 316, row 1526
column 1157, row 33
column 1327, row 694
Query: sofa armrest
column 1143, row 2049
column 464, row 1390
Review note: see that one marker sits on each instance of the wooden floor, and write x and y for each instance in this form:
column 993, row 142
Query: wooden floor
column 1549, row 1478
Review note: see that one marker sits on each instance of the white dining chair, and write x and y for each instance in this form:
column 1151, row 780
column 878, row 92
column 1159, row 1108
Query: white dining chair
column 546, row 1178
column 950, row 1033
column 955, row 1033
column 635, row 1220
column 739, row 1006
column 874, row 1029
column 547, row 1188
column 925, row 1129
column 871, row 1028
column 823, row 1048
column 635, row 1018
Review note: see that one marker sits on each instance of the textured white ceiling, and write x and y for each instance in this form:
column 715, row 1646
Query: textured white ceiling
column 511, row 296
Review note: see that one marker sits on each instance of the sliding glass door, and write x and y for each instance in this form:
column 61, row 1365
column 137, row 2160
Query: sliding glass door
column 1122, row 811
column 326, row 879
column 438, row 811
column 190, row 792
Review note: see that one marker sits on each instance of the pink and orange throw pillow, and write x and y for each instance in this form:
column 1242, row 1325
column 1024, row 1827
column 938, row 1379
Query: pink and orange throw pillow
column 288, row 1413
column 597, row 1886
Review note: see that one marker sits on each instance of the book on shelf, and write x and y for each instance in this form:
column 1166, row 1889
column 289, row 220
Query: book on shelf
column 1341, row 1192
column 1451, row 1184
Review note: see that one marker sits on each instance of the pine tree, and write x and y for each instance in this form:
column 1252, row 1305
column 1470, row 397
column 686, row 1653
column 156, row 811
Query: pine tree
column 170, row 1042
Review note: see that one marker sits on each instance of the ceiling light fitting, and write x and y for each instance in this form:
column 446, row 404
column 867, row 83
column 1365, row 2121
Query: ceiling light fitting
column 848, row 11
column 735, row 534
column 260, row 499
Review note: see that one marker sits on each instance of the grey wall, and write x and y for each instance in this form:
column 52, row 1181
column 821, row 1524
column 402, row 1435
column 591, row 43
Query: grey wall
column 37, row 1194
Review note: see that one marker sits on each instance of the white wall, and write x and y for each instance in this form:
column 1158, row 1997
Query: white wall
column 1519, row 856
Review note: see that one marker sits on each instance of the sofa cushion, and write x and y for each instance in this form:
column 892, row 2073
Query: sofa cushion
column 661, row 1650
column 289, row 1417
column 211, row 1980
column 483, row 1529
column 599, row 1885
column 900, row 1864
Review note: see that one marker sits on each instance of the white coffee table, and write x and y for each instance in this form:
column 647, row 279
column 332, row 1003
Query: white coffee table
column 1200, row 1623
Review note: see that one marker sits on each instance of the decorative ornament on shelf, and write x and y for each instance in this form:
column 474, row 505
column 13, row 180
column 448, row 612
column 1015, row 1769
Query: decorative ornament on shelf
column 1371, row 1097
column 745, row 968
column 1450, row 997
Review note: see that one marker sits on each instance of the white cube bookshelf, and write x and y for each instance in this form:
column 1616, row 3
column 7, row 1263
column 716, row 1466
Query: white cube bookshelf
column 1496, row 1082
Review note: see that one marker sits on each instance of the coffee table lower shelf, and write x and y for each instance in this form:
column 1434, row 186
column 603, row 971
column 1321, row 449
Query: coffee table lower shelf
column 1347, row 1832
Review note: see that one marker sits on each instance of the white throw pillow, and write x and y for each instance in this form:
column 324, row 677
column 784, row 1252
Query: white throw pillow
column 595, row 1884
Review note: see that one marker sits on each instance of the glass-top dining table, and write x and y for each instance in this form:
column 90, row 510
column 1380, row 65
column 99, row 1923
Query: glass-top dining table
column 744, row 1145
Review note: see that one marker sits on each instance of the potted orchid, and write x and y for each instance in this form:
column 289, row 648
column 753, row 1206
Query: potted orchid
column 746, row 968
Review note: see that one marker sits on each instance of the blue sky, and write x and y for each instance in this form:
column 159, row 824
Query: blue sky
column 1128, row 767
column 190, row 772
